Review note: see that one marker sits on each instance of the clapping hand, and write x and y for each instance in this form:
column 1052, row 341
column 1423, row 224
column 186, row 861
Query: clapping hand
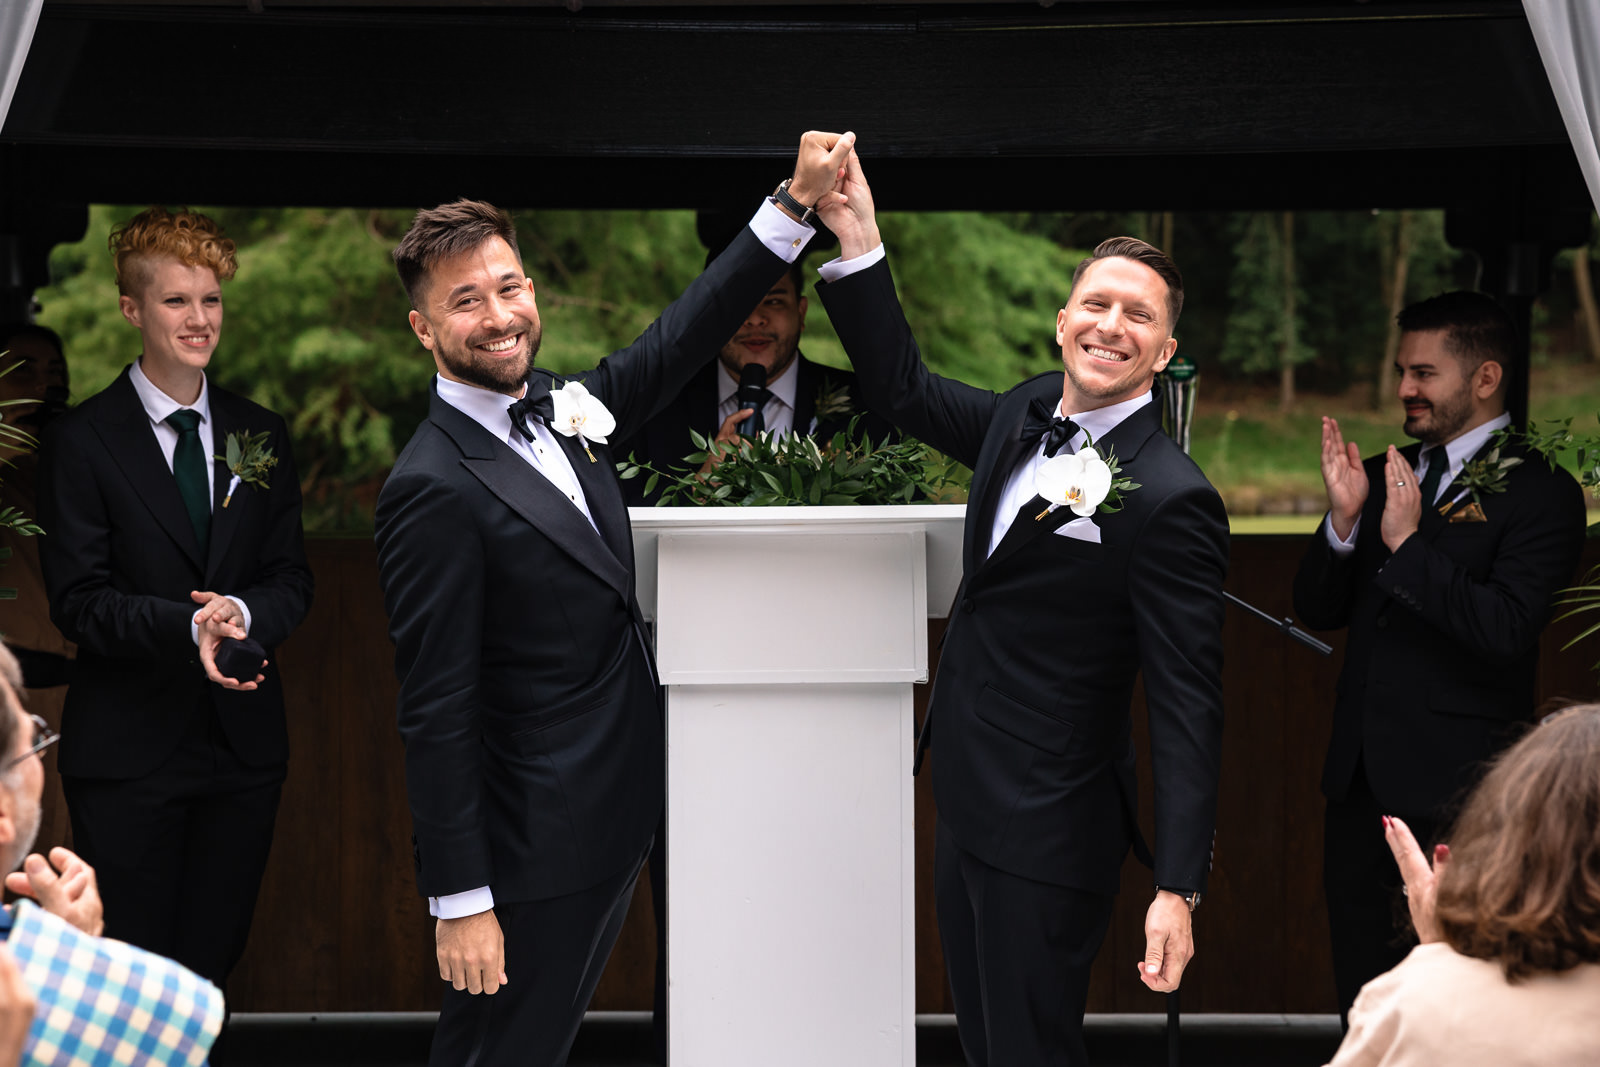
column 1420, row 877
column 65, row 886
column 1402, row 502
column 1345, row 478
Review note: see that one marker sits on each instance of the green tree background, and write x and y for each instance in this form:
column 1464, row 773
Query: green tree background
column 316, row 329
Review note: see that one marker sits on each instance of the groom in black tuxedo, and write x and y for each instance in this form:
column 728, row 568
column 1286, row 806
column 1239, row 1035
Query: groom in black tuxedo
column 1445, row 588
column 528, row 694
column 1056, row 616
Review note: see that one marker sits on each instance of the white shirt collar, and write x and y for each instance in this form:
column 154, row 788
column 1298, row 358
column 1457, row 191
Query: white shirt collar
column 159, row 405
column 1100, row 421
column 485, row 407
column 785, row 387
column 1467, row 445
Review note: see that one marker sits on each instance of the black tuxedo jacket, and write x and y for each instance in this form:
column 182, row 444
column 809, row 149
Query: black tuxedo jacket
column 120, row 558
column 1032, row 754
column 528, row 699
column 664, row 440
column 1444, row 634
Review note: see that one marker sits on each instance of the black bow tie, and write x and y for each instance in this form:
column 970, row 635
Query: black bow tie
column 1042, row 420
column 536, row 402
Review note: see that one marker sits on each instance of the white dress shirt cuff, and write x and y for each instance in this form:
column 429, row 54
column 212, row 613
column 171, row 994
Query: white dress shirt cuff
column 460, row 905
column 784, row 237
column 836, row 268
column 1341, row 548
column 244, row 609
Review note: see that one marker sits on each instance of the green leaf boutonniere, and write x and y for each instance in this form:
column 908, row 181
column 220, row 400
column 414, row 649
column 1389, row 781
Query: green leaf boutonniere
column 833, row 402
column 249, row 460
column 1486, row 476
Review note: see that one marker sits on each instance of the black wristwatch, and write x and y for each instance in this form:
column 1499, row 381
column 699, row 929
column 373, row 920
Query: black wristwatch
column 1190, row 897
column 781, row 197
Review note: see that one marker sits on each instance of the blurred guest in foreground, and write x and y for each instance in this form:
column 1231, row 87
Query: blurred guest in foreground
column 1508, row 913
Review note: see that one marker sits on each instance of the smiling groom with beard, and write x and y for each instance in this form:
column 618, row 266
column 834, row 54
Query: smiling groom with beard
column 1445, row 586
column 528, row 694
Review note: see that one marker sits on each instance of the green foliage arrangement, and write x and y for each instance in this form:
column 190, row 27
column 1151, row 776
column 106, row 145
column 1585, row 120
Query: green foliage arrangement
column 791, row 470
column 1555, row 440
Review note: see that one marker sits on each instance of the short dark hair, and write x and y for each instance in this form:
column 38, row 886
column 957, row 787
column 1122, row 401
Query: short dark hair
column 13, row 331
column 1519, row 889
column 1476, row 328
column 446, row 231
column 1140, row 252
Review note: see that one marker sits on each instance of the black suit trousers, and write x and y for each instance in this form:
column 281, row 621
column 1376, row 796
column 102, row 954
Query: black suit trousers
column 179, row 852
column 556, row 950
column 1367, row 914
column 1018, row 953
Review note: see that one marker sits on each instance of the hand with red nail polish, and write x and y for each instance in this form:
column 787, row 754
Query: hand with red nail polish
column 1420, row 876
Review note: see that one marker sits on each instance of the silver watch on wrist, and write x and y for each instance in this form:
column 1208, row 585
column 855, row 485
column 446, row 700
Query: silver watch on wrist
column 1190, row 897
column 782, row 197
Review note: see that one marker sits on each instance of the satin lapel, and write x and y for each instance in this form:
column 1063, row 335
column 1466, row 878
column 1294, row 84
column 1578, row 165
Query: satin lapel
column 995, row 466
column 1028, row 526
column 603, row 494
column 132, row 445
column 530, row 495
column 224, row 520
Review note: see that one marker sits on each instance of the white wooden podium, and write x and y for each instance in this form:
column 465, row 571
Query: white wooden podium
column 789, row 639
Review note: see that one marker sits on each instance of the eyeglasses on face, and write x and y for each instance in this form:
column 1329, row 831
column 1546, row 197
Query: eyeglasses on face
column 43, row 738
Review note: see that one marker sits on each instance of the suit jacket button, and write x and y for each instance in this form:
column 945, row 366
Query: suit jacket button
column 968, row 606
column 1383, row 622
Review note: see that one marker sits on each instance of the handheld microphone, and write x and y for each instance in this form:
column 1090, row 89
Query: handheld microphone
column 753, row 394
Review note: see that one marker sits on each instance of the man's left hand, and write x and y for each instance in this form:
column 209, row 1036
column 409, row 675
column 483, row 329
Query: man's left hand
column 1402, row 505
column 220, row 617
column 1168, row 942
column 65, row 887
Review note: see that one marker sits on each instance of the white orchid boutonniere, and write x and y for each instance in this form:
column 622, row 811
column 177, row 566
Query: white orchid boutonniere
column 578, row 413
column 1084, row 481
column 249, row 460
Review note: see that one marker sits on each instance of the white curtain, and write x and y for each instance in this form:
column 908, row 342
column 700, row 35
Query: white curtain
column 17, row 20
column 1568, row 35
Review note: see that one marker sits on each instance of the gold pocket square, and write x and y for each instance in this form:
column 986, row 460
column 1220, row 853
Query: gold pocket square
column 1469, row 513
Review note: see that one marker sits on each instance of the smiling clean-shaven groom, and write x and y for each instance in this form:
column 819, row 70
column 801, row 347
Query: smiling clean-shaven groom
column 528, row 693
column 1061, row 607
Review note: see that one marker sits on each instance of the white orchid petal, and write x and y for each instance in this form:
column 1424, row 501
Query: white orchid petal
column 1057, row 476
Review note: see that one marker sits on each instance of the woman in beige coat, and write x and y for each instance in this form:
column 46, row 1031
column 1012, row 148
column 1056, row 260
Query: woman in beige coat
column 1508, row 971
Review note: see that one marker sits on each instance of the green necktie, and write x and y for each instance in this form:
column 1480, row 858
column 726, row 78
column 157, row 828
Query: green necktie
column 189, row 467
column 1437, row 462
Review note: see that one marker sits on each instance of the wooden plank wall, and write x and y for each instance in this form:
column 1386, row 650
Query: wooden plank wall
column 340, row 928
